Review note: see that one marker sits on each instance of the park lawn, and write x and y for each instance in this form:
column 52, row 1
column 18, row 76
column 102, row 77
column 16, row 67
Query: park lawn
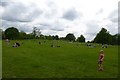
column 0, row 59
column 32, row 60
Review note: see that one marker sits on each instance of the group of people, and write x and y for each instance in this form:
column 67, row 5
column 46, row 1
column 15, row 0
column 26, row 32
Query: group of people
column 16, row 44
column 54, row 45
column 7, row 41
column 41, row 42
column 91, row 46
column 104, row 46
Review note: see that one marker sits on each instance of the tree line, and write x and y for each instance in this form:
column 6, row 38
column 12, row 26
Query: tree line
column 102, row 37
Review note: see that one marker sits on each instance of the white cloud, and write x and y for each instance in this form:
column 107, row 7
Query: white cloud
column 60, row 17
column 99, row 12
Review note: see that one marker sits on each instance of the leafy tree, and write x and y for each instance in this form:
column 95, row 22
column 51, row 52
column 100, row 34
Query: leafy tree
column 38, row 33
column 34, row 31
column 62, row 38
column 115, row 39
column 1, row 33
column 70, row 37
column 30, row 36
column 118, row 39
column 103, row 37
column 12, row 33
column 88, row 41
column 81, row 39
column 49, row 37
column 42, row 37
column 23, row 35
column 56, row 37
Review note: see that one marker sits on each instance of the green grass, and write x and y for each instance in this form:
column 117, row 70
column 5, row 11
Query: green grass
column 0, row 59
column 32, row 60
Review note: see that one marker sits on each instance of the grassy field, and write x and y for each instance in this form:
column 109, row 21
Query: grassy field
column 70, row 60
column 0, row 59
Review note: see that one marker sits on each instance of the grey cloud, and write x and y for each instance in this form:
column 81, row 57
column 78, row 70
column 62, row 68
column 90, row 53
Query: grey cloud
column 90, row 36
column 57, row 29
column 21, row 26
column 49, row 32
column 5, row 3
column 114, row 16
column 56, row 26
column 18, row 12
column 6, row 24
column 45, row 24
column 51, row 11
column 71, row 14
column 113, row 28
column 25, row 28
column 92, row 27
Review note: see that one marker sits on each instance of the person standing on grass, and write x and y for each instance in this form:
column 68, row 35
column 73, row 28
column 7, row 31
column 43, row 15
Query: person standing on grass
column 7, row 41
column 100, row 61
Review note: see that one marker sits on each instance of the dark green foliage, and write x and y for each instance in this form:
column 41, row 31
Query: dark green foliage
column 62, row 38
column 23, row 35
column 70, row 37
column 118, row 39
column 103, row 37
column 115, row 39
column 49, row 37
column 3, row 35
column 56, row 37
column 12, row 33
column 81, row 39
column 34, row 31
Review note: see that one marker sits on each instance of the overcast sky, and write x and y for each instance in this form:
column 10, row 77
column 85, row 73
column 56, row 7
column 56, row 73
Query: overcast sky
column 60, row 17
